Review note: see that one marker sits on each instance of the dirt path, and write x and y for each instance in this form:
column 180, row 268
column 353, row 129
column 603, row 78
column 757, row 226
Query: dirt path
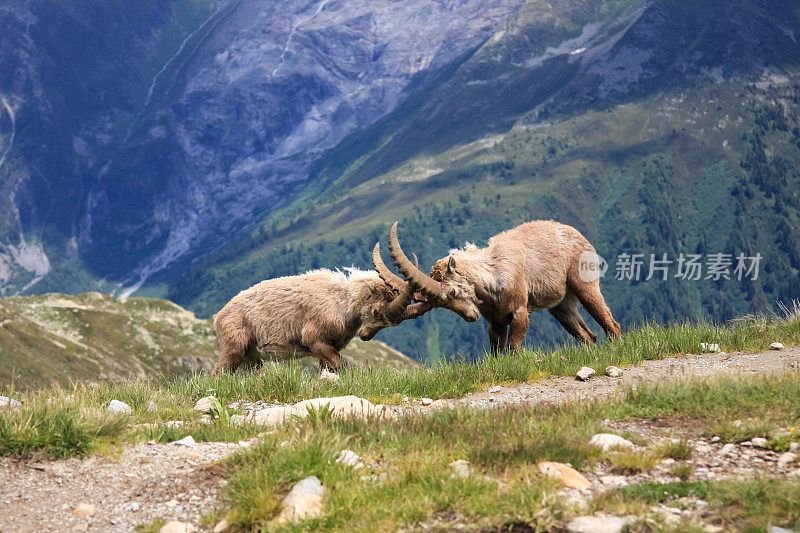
column 568, row 389
column 149, row 482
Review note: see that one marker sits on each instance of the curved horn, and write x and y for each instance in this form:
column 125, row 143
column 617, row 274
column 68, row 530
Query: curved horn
column 396, row 310
column 389, row 277
column 413, row 275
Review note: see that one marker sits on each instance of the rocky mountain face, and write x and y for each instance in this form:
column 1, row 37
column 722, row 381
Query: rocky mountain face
column 146, row 134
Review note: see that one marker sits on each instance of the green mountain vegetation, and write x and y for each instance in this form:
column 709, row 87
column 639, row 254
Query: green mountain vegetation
column 57, row 339
column 671, row 128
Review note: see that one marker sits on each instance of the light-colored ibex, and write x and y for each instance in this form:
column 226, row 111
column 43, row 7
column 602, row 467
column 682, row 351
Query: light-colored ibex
column 316, row 313
column 537, row 265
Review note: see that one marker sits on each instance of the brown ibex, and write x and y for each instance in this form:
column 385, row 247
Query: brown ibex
column 316, row 313
column 537, row 265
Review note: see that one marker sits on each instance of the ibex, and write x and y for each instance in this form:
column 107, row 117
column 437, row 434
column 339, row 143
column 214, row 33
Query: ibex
column 316, row 313
column 537, row 265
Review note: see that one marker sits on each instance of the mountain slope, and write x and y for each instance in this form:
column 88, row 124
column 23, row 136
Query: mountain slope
column 57, row 339
column 666, row 128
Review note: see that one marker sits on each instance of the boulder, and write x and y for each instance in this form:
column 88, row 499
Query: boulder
column 613, row 372
column 5, row 401
column 585, row 373
column 342, row 406
column 759, row 442
column 426, row 401
column 205, row 405
column 187, row 441
column 305, row 500
column 709, row 347
column 568, row 476
column 727, row 449
column 776, row 346
column 609, row 441
column 350, row 458
column 325, row 375
column 176, row 527
column 118, row 407
column 461, row 468
column 84, row 510
column 596, row 524
column 787, row 458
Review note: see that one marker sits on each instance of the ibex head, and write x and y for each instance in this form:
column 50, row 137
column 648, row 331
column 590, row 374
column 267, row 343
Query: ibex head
column 453, row 292
column 395, row 304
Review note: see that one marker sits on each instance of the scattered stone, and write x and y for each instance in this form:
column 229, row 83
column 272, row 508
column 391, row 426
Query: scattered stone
column 461, row 468
column 204, row 405
column 709, row 347
column 596, row 524
column 350, row 458
column 84, row 510
column 426, row 401
column 613, row 372
column 152, row 407
column 715, row 439
column 776, row 346
column 187, row 441
column 376, row 478
column 342, row 406
column 492, row 390
column 305, row 500
column 174, row 424
column 585, row 373
column 133, row 506
column 205, row 419
column 79, row 528
column 787, row 458
column 406, row 399
column 326, row 375
column 794, row 447
column 172, row 503
column 5, row 401
column 118, row 407
column 441, row 403
column 776, row 529
column 609, row 441
column 568, row 476
column 176, row 527
column 222, row 526
column 727, row 449
column 759, row 442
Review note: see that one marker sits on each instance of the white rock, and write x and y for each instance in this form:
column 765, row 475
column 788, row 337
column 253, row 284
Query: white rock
column 5, row 401
column 174, row 424
column 596, row 524
column 342, row 406
column 325, row 375
column 222, row 526
column 776, row 346
column 585, row 373
column 204, row 405
column 727, row 449
column 709, row 347
column 794, row 447
column 133, row 506
column 427, row 401
column 185, row 441
column 350, row 458
column 759, row 442
column 492, row 390
column 716, row 438
column 116, row 406
column 79, row 528
column 776, row 529
column 83, row 510
column 787, row 458
column 613, row 372
column 152, row 407
column 609, row 441
column 305, row 500
column 176, row 527
column 460, row 468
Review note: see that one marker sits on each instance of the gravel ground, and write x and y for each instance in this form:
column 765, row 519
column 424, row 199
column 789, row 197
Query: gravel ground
column 144, row 483
column 152, row 481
